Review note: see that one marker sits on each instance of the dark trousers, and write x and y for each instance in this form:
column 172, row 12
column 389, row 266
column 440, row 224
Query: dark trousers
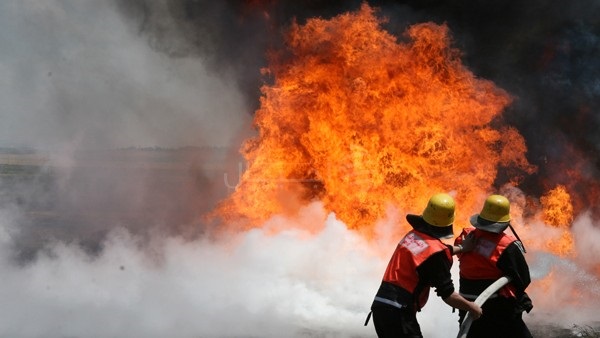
column 501, row 319
column 392, row 322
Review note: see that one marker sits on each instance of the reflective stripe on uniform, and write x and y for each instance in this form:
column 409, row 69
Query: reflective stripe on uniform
column 389, row 302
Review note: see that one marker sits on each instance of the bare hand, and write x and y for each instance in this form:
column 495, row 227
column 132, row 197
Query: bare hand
column 475, row 311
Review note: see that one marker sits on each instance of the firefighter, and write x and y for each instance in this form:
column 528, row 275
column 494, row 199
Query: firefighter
column 420, row 262
column 495, row 254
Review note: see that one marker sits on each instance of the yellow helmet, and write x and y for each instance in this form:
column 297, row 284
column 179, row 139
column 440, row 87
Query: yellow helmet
column 440, row 210
column 494, row 216
column 496, row 209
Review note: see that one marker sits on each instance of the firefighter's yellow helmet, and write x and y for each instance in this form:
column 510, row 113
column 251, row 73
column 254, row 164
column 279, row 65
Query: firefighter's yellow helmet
column 496, row 209
column 440, row 210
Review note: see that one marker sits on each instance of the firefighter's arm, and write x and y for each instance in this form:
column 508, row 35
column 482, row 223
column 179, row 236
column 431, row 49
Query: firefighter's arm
column 457, row 301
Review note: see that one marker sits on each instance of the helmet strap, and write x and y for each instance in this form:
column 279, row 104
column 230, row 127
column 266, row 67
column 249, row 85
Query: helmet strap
column 517, row 236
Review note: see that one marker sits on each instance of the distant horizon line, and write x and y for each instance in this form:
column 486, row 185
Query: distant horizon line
column 15, row 149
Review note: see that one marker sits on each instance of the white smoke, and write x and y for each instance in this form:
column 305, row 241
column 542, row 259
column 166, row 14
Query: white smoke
column 258, row 283
column 77, row 79
column 293, row 283
column 566, row 290
column 73, row 72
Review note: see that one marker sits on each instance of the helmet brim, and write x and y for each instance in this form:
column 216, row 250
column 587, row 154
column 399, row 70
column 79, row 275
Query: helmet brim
column 419, row 224
column 489, row 226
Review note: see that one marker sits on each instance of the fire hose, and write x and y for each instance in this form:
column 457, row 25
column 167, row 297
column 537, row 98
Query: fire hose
column 466, row 324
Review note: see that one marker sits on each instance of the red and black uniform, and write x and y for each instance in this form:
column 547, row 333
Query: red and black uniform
column 494, row 256
column 419, row 262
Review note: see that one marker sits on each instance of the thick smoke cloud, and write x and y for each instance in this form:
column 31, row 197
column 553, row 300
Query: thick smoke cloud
column 74, row 73
column 83, row 90
column 177, row 288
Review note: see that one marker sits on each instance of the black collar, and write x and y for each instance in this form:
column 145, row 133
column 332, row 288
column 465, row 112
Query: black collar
column 419, row 224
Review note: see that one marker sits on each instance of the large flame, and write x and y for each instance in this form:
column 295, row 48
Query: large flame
column 362, row 121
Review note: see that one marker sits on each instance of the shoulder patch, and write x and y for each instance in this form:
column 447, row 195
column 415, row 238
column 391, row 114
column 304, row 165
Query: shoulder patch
column 414, row 243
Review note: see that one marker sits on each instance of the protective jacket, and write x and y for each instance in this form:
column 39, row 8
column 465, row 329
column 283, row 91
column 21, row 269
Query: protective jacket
column 479, row 268
column 401, row 285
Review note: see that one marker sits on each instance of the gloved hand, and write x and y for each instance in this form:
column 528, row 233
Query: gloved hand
column 468, row 242
column 524, row 304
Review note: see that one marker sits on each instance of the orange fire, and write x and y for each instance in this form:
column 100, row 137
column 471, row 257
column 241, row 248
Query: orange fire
column 557, row 211
column 557, row 207
column 360, row 121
